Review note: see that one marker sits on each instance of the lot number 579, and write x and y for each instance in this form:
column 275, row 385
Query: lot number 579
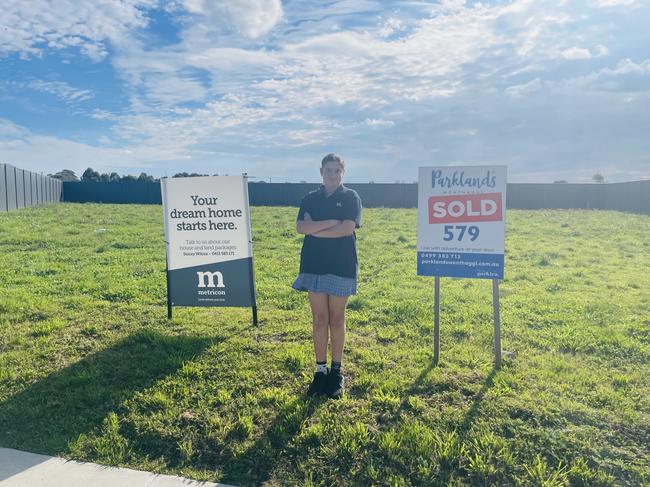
column 461, row 231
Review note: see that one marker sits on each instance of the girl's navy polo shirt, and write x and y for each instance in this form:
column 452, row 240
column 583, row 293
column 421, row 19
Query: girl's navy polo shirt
column 336, row 256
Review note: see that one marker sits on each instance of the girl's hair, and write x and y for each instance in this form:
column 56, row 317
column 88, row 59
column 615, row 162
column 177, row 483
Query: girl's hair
column 332, row 158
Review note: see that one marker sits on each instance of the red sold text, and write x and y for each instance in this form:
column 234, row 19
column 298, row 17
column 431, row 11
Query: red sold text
column 465, row 208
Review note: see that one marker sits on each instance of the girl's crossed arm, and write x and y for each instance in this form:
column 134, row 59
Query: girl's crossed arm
column 341, row 229
column 310, row 227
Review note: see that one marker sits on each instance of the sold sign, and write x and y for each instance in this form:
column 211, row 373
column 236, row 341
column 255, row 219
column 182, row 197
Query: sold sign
column 461, row 221
column 465, row 208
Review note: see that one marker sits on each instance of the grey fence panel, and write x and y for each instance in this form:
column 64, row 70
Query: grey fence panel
column 34, row 184
column 27, row 188
column 645, row 197
column 116, row 192
column 389, row 195
column 3, row 189
column 37, row 191
column 34, row 177
column 278, row 194
column 27, row 181
column 10, row 178
column 372, row 195
column 41, row 188
column 20, row 188
column 537, row 196
column 633, row 196
column 260, row 194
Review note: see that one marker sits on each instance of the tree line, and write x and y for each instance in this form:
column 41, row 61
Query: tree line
column 90, row 175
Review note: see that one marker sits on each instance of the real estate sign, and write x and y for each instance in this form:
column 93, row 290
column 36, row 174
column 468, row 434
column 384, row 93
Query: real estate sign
column 461, row 221
column 208, row 235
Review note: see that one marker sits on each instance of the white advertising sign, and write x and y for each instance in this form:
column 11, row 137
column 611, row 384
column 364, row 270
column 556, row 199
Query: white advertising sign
column 461, row 221
column 209, row 250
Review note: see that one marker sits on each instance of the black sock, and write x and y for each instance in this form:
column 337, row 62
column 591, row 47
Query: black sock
column 321, row 367
column 336, row 367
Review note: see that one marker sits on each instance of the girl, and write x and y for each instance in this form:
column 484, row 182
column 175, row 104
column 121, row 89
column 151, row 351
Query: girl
column 328, row 218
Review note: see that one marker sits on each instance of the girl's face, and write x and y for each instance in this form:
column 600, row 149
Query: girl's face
column 332, row 173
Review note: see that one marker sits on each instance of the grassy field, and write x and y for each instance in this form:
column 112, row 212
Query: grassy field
column 91, row 369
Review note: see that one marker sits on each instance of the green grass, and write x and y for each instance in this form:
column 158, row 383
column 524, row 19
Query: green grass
column 91, row 369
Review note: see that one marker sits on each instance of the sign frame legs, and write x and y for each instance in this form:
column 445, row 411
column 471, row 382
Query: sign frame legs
column 169, row 291
column 436, row 322
column 497, row 322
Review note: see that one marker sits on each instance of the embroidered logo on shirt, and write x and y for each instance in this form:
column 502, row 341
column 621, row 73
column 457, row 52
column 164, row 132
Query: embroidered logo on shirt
column 339, row 204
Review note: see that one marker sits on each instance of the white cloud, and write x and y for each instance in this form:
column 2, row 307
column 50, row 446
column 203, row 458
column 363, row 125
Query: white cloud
column 379, row 123
column 171, row 90
column 252, row 18
column 61, row 90
column 31, row 28
column 9, row 130
column 391, row 26
column 616, row 3
column 626, row 77
column 252, row 80
column 576, row 53
column 601, row 50
column 627, row 66
column 98, row 114
column 295, row 81
column 22, row 148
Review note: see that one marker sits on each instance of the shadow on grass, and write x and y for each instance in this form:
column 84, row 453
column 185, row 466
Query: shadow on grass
column 420, row 387
column 50, row 413
column 468, row 420
column 255, row 465
column 449, row 468
column 465, row 427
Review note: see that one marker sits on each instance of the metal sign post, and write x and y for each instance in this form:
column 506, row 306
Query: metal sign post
column 497, row 323
column 436, row 322
column 250, row 251
column 169, row 298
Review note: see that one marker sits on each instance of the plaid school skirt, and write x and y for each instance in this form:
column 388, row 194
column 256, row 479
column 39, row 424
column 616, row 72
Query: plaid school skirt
column 326, row 283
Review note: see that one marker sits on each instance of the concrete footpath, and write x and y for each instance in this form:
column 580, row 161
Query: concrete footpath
column 23, row 469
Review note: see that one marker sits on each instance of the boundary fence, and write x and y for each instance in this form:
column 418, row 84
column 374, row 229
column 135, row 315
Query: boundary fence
column 20, row 188
column 631, row 196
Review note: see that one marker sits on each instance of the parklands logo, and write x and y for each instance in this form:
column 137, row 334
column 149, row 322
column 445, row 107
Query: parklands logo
column 211, row 280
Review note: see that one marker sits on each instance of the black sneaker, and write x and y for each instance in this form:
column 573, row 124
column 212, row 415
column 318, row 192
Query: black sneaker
column 335, row 384
column 318, row 384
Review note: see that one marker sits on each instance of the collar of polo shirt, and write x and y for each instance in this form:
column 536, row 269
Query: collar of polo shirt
column 321, row 189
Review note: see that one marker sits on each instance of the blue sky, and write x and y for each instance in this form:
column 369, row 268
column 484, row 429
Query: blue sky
column 557, row 90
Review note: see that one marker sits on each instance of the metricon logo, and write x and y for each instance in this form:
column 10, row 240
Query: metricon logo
column 210, row 279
